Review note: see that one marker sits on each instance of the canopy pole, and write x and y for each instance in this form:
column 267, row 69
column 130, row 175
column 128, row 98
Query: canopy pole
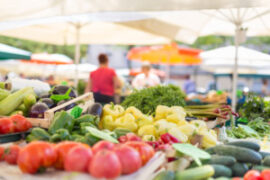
column 235, row 71
column 77, row 53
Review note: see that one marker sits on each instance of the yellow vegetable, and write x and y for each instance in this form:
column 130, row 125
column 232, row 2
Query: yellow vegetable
column 144, row 120
column 127, row 122
column 148, row 138
column 199, row 124
column 182, row 123
column 134, row 111
column 208, row 140
column 163, row 126
column 114, row 110
column 161, row 112
column 178, row 134
column 188, row 129
column 176, row 114
column 108, row 122
column 147, row 130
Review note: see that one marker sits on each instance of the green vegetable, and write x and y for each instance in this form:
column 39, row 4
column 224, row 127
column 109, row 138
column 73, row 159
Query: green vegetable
column 197, row 173
column 55, row 138
column 242, row 132
column 31, row 138
column 245, row 144
column 239, row 169
column 3, row 94
column 60, row 97
column 86, row 118
column 239, row 153
column 40, row 134
column 102, row 135
column 264, row 154
column 192, row 151
column 165, row 175
column 16, row 112
column 222, row 160
column 29, row 101
column 76, row 112
column 61, row 120
column 260, row 168
column 63, row 134
column 148, row 99
column 260, row 126
column 21, row 107
column 11, row 102
column 221, row 171
column 266, row 161
column 121, row 132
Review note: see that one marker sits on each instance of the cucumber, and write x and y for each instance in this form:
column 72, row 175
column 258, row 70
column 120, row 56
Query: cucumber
column 260, row 168
column 223, row 160
column 223, row 178
column 264, row 154
column 266, row 161
column 210, row 150
column 197, row 173
column 221, row 171
column 239, row 169
column 245, row 144
column 239, row 153
column 3, row 94
column 165, row 175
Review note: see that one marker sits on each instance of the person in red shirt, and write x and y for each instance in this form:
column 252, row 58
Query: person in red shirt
column 103, row 81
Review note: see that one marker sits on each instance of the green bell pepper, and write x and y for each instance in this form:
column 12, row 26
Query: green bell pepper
column 61, row 120
column 40, row 134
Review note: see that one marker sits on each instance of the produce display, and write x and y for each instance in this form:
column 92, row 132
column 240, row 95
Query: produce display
column 14, row 123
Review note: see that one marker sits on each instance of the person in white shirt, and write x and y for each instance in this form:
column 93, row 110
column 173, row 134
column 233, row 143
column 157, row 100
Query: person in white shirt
column 146, row 78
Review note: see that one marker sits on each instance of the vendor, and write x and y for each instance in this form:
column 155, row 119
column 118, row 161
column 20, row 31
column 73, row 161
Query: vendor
column 146, row 78
column 103, row 81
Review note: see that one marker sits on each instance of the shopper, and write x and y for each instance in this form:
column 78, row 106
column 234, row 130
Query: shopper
column 189, row 85
column 103, row 81
column 146, row 78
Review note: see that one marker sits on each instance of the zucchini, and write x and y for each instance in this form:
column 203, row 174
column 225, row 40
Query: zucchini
column 165, row 175
column 202, row 172
column 241, row 154
column 221, row 171
column 266, row 161
column 260, row 167
column 210, row 150
column 3, row 94
column 264, row 154
column 245, row 144
column 239, row 169
column 223, row 160
column 11, row 102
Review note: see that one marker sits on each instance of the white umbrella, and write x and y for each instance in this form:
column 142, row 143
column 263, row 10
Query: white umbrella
column 27, row 9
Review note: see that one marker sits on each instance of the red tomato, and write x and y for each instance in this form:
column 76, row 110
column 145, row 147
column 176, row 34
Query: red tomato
column 62, row 149
column 105, row 164
column 36, row 155
column 145, row 150
column 129, row 137
column 20, row 123
column 252, row 175
column 129, row 157
column 11, row 154
column 102, row 145
column 2, row 152
column 265, row 174
column 6, row 126
column 78, row 159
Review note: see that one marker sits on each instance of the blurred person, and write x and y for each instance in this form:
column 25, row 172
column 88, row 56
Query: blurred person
column 103, row 81
column 189, row 85
column 265, row 87
column 146, row 78
column 50, row 80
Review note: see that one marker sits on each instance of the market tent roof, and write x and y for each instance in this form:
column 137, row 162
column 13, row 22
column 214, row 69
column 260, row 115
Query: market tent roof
column 9, row 52
column 27, row 9
column 45, row 58
column 224, row 58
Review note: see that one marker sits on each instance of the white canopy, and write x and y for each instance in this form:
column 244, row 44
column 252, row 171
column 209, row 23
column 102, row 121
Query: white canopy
column 224, row 58
column 27, row 9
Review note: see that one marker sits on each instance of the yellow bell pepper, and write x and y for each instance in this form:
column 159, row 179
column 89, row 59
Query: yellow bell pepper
column 108, row 122
column 114, row 110
column 188, row 129
column 147, row 130
column 208, row 140
column 127, row 122
column 134, row 111
column 148, row 138
column 161, row 112
column 144, row 120
column 176, row 114
column 163, row 126
column 175, row 131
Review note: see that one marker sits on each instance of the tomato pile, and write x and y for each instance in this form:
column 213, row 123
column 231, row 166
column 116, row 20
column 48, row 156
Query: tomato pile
column 256, row 175
column 103, row 160
column 15, row 123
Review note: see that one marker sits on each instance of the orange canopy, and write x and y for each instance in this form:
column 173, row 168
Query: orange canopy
column 167, row 54
column 44, row 58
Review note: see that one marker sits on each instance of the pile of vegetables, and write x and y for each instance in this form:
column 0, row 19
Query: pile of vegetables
column 14, row 123
column 150, row 128
column 103, row 160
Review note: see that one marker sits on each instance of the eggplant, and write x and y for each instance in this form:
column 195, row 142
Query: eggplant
column 95, row 109
column 62, row 89
column 67, row 107
column 49, row 102
column 44, row 95
column 38, row 109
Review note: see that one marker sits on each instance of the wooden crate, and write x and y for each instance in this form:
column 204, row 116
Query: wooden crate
column 49, row 114
column 145, row 173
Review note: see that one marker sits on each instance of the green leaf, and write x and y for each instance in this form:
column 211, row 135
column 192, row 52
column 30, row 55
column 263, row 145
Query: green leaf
column 60, row 97
column 102, row 135
column 195, row 153
column 76, row 112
